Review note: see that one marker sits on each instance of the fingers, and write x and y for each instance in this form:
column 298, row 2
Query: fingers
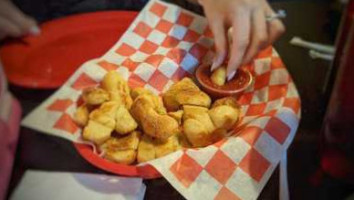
column 7, row 28
column 251, row 31
column 14, row 22
column 275, row 27
column 259, row 35
column 213, row 10
column 12, row 13
column 241, row 38
column 218, row 29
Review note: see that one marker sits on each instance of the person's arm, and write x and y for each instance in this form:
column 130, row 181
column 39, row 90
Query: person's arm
column 13, row 22
column 251, row 32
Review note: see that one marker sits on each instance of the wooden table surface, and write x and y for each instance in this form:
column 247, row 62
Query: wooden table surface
column 305, row 19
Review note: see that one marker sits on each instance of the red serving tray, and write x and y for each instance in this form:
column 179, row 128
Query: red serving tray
column 48, row 60
column 146, row 171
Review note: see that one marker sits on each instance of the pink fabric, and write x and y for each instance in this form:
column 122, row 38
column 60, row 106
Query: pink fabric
column 9, row 131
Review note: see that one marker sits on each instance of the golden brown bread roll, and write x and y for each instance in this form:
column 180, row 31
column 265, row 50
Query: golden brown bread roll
column 103, row 119
column 130, row 141
column 127, row 100
column 167, row 147
column 105, row 114
column 159, row 107
column 117, row 88
column 150, row 148
column 123, row 109
column 224, row 116
column 109, row 108
column 192, row 111
column 218, row 77
column 225, row 112
column 200, row 114
column 150, row 114
column 116, row 96
column 113, row 81
column 122, row 149
column 192, row 97
column 146, row 149
column 183, row 141
column 124, row 156
column 110, row 81
column 197, row 125
column 177, row 115
column 96, row 132
column 228, row 101
column 139, row 106
column 197, row 133
column 125, row 123
column 95, row 96
column 185, row 92
column 81, row 115
column 145, row 101
column 121, row 98
column 134, row 93
column 158, row 125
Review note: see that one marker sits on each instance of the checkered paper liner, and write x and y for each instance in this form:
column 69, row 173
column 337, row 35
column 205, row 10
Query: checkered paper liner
column 164, row 44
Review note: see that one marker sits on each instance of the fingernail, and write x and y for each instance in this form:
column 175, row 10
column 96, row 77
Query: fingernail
column 218, row 59
column 34, row 30
column 231, row 75
column 214, row 66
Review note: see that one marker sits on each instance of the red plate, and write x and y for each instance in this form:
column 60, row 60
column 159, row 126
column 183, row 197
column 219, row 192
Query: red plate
column 147, row 171
column 48, row 60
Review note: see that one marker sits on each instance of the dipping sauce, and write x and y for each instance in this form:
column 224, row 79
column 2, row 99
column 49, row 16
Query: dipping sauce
column 235, row 86
column 238, row 82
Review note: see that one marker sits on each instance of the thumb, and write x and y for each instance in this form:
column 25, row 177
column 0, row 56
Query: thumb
column 27, row 24
column 30, row 26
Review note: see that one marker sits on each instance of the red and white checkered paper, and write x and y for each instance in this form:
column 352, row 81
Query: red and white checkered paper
column 164, row 44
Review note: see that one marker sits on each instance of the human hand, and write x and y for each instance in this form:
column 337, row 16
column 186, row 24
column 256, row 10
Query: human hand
column 14, row 23
column 251, row 31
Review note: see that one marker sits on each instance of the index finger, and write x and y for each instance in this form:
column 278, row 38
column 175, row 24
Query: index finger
column 240, row 39
column 16, row 16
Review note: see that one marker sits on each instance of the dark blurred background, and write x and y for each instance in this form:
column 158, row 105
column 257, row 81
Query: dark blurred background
column 313, row 20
